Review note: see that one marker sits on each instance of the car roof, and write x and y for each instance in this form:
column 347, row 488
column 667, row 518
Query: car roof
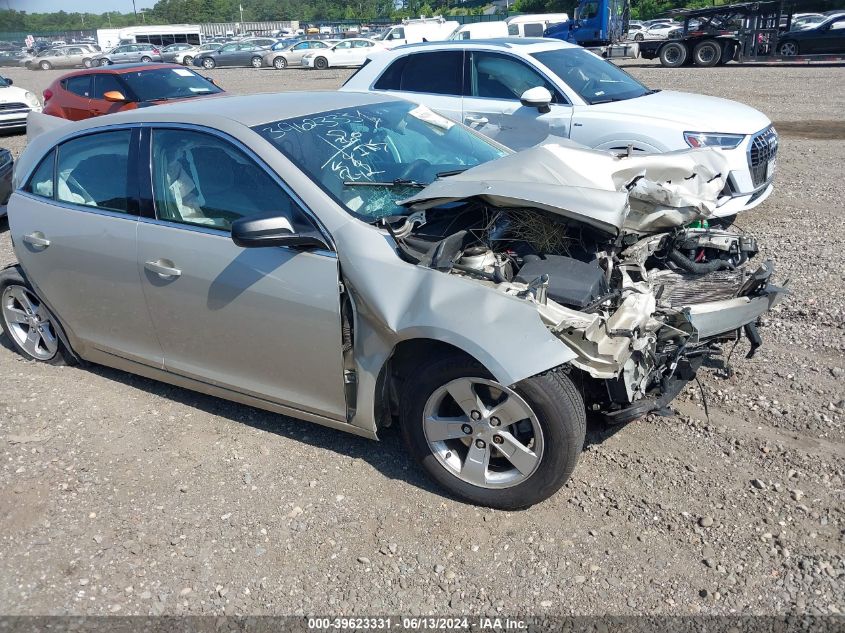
column 524, row 44
column 119, row 69
column 250, row 110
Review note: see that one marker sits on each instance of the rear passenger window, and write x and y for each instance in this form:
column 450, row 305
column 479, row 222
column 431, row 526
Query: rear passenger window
column 79, row 85
column 93, row 171
column 41, row 181
column 434, row 73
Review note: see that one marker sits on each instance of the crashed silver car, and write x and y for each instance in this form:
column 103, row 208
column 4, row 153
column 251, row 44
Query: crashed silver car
column 372, row 263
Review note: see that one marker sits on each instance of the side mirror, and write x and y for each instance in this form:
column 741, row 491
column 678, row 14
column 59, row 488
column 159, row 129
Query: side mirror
column 114, row 95
column 538, row 97
column 272, row 230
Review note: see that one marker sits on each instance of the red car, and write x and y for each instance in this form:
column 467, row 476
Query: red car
column 95, row 91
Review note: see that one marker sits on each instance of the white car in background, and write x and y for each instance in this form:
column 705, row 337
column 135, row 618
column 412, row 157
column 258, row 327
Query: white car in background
column 522, row 93
column 352, row 52
column 660, row 31
column 15, row 105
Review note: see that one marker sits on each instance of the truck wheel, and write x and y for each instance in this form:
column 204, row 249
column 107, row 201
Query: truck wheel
column 673, row 54
column 788, row 49
column 707, row 53
column 505, row 447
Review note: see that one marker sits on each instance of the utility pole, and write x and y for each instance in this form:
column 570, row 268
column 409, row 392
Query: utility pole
column 134, row 10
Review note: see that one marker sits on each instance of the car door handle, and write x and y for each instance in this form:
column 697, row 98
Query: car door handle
column 160, row 268
column 475, row 119
column 37, row 239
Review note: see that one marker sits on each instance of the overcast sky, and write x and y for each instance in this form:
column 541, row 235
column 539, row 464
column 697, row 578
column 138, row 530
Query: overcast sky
column 87, row 6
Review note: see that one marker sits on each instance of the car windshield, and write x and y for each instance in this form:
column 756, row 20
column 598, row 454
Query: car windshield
column 4, row 82
column 594, row 79
column 168, row 83
column 370, row 156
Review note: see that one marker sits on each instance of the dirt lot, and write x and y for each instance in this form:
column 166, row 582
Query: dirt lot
column 122, row 495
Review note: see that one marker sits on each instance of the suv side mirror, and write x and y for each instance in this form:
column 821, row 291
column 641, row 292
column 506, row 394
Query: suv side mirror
column 538, row 97
column 114, row 95
column 272, row 230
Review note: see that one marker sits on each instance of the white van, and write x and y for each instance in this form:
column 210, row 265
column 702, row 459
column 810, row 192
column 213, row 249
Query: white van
column 533, row 25
column 434, row 29
column 480, row 31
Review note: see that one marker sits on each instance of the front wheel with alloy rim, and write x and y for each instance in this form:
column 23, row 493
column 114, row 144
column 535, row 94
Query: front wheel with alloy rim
column 256, row 62
column 673, row 55
column 505, row 447
column 788, row 49
column 321, row 63
column 208, row 63
column 280, row 63
column 27, row 322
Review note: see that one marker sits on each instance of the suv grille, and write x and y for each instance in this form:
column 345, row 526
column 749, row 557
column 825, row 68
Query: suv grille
column 762, row 150
column 13, row 106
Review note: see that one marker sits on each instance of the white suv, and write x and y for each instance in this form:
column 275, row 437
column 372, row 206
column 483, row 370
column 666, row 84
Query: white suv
column 524, row 91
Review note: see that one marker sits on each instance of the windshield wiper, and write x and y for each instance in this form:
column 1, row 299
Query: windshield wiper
column 398, row 182
column 452, row 172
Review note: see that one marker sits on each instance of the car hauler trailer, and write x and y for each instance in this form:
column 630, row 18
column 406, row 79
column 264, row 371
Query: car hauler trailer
column 746, row 32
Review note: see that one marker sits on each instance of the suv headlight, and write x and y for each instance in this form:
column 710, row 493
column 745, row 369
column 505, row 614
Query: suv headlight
column 707, row 139
column 32, row 100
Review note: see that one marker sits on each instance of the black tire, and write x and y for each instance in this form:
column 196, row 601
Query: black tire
column 45, row 65
column 673, row 55
column 146, row 59
column 86, row 62
column 256, row 62
column 187, row 60
column 789, row 48
column 553, row 399
column 13, row 277
column 280, row 63
column 321, row 63
column 707, row 53
column 208, row 63
column 639, row 37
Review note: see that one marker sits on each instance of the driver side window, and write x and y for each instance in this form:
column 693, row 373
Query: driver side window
column 495, row 76
column 203, row 180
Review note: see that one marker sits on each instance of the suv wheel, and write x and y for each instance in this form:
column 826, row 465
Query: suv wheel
column 321, row 63
column 279, row 63
column 490, row 444
column 28, row 324
column 208, row 63
column 45, row 65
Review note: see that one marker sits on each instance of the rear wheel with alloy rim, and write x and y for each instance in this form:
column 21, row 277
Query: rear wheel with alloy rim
column 27, row 322
column 146, row 59
column 639, row 37
column 256, row 62
column 86, row 62
column 208, row 63
column 788, row 49
column 321, row 63
column 501, row 446
column 188, row 60
column 45, row 65
column 279, row 63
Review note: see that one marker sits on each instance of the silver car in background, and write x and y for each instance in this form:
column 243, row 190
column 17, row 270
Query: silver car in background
column 128, row 54
column 292, row 54
column 366, row 261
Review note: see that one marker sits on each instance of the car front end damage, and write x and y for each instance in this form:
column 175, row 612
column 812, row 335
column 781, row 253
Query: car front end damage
column 615, row 254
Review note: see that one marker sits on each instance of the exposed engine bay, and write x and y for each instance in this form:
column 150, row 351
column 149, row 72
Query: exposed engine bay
column 641, row 309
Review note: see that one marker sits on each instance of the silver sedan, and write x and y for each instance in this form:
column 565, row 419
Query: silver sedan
column 292, row 55
column 367, row 262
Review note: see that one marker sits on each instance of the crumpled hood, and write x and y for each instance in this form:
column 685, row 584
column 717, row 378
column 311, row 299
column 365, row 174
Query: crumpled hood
column 692, row 112
column 638, row 194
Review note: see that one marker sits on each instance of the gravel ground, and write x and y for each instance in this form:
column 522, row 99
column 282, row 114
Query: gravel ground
column 122, row 495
